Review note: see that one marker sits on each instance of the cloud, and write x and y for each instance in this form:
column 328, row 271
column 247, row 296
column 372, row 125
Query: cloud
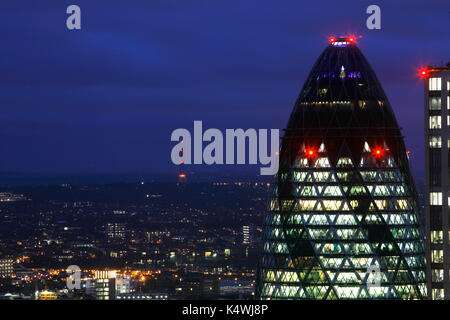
column 137, row 71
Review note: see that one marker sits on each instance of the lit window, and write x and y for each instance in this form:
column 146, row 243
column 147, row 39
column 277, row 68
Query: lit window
column 437, row 294
column 403, row 204
column 435, row 103
column 435, row 141
column 332, row 205
column 437, row 237
column 301, row 163
column 322, row 163
column 307, row 204
column 437, row 275
column 437, row 256
column 436, row 198
column 381, row 190
column 300, row 176
column 434, row 84
column 332, row 191
column 435, row 122
column 321, row 176
column 362, row 103
column 308, row 191
column 344, row 162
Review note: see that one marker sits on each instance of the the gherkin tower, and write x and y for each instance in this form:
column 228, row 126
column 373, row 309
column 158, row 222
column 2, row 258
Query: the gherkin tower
column 343, row 220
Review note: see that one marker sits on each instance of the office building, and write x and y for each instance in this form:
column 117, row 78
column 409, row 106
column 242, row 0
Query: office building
column 105, row 285
column 437, row 144
column 343, row 221
column 6, row 267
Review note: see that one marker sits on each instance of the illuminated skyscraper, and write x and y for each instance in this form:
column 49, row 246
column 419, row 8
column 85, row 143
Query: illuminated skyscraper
column 6, row 267
column 437, row 144
column 344, row 202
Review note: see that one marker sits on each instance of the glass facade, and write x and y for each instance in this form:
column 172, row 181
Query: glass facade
column 344, row 202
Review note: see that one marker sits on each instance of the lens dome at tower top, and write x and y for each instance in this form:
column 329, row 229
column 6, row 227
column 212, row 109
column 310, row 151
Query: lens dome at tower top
column 342, row 41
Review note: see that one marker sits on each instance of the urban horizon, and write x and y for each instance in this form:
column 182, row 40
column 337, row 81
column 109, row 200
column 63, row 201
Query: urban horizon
column 213, row 159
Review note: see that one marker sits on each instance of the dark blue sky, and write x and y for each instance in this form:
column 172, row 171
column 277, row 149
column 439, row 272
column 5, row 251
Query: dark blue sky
column 106, row 98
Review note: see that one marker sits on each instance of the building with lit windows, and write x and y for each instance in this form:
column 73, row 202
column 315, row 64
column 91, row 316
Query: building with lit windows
column 248, row 235
column 343, row 220
column 6, row 267
column 105, row 285
column 123, row 285
column 437, row 144
column 116, row 230
column 47, row 295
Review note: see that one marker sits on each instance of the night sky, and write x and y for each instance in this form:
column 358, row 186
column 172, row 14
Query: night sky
column 106, row 99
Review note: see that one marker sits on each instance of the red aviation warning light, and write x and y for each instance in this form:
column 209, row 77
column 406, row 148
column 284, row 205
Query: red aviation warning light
column 352, row 39
column 378, row 152
column 423, row 73
column 310, row 153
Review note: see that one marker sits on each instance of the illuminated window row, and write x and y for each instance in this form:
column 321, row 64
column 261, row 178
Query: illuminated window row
column 327, row 176
column 315, row 291
column 437, row 294
column 437, row 256
column 340, row 219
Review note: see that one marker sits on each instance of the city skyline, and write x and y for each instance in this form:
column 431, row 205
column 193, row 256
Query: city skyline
column 224, row 150
column 152, row 244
